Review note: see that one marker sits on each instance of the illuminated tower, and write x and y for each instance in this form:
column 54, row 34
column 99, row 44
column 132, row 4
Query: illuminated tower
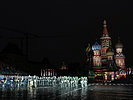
column 105, row 42
column 88, row 49
column 96, row 55
column 89, row 55
column 110, row 53
column 119, row 57
column 110, row 61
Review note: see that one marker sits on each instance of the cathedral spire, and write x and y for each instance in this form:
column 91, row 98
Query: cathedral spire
column 105, row 31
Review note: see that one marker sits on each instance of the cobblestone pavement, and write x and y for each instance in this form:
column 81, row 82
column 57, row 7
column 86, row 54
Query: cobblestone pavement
column 94, row 91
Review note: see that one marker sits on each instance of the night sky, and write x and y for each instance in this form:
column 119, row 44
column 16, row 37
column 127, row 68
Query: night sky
column 66, row 27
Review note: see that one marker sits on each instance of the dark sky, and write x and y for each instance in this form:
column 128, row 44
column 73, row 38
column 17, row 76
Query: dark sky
column 66, row 26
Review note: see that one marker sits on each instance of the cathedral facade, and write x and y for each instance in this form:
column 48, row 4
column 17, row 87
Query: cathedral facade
column 106, row 62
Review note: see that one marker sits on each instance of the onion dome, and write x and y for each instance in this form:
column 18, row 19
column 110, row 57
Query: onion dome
column 119, row 45
column 88, row 48
column 110, row 52
column 96, row 46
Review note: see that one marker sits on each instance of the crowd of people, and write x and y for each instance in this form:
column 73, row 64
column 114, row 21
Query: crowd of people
column 36, row 81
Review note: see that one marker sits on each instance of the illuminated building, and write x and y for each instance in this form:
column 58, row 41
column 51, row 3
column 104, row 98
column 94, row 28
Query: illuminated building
column 119, row 57
column 106, row 63
column 48, row 72
column 96, row 55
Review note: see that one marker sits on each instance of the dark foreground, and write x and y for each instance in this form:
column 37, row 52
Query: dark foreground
column 91, row 92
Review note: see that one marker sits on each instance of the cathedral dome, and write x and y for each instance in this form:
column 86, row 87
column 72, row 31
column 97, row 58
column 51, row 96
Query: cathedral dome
column 110, row 52
column 96, row 46
column 119, row 45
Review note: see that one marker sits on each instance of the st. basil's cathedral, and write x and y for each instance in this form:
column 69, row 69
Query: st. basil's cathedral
column 105, row 62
